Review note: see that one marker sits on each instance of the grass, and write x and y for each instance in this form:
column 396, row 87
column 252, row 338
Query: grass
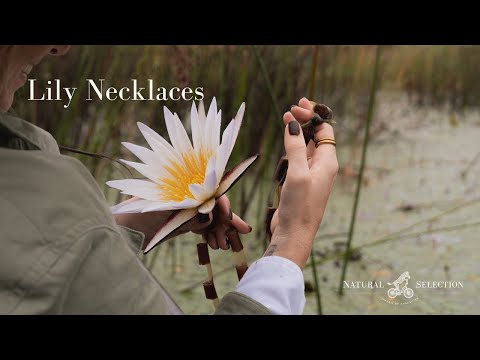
column 430, row 74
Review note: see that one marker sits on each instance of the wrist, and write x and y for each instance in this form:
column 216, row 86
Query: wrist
column 295, row 248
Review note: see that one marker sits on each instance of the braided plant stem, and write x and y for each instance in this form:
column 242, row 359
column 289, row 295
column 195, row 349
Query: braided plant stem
column 239, row 258
column 208, row 285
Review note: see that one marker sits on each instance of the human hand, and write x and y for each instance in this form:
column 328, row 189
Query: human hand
column 305, row 192
column 212, row 226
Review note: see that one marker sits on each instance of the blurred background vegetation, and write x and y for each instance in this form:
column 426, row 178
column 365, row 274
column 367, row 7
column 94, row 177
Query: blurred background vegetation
column 443, row 79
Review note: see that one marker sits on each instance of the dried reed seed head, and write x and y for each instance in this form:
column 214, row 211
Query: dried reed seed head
column 308, row 132
column 316, row 120
column 323, row 110
column 234, row 239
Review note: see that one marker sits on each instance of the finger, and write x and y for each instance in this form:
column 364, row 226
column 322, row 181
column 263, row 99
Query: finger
column 305, row 103
column 212, row 241
column 230, row 219
column 324, row 152
column 221, row 238
column 301, row 114
column 295, row 149
column 223, row 206
column 287, row 117
column 241, row 226
column 198, row 223
column 223, row 209
column 310, row 150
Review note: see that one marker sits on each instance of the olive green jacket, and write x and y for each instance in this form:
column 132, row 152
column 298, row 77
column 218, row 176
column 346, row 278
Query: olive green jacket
column 61, row 251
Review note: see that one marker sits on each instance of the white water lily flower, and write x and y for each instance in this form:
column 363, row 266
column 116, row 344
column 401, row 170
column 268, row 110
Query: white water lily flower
column 182, row 177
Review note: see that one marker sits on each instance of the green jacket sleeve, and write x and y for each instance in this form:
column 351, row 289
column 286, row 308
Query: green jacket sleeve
column 111, row 279
column 235, row 303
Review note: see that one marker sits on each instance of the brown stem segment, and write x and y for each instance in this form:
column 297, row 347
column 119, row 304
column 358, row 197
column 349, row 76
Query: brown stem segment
column 203, row 257
column 241, row 270
column 240, row 260
column 210, row 292
column 208, row 285
column 234, row 240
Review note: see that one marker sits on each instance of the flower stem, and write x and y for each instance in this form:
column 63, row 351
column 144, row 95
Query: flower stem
column 239, row 258
column 208, row 285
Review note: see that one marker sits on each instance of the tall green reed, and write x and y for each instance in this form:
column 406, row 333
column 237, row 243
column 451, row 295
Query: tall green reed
column 371, row 105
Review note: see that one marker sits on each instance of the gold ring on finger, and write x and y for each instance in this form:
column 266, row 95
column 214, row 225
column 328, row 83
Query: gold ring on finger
column 325, row 141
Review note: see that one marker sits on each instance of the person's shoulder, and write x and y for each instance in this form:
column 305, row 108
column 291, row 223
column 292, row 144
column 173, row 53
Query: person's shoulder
column 29, row 132
column 52, row 191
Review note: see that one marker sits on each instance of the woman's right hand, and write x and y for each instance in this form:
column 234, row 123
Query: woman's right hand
column 306, row 189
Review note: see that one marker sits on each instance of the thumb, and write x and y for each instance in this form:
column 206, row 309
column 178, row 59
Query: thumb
column 295, row 147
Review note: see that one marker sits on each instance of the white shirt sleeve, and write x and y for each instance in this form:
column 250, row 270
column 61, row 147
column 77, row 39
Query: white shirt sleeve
column 277, row 283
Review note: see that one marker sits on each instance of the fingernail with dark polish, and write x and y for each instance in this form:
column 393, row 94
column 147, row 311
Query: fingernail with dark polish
column 203, row 218
column 228, row 244
column 250, row 229
column 230, row 214
column 294, row 127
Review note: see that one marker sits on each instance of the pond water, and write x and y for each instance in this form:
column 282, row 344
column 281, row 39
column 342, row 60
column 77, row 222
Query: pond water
column 413, row 175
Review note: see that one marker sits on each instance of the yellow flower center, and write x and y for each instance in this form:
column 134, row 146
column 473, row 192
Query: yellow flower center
column 191, row 171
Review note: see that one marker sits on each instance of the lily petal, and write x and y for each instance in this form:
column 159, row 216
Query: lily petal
column 145, row 155
column 130, row 207
column 207, row 207
column 177, row 133
column 228, row 140
column 176, row 219
column 164, row 206
column 224, row 150
column 210, row 125
column 233, row 175
column 198, row 191
column 155, row 140
column 210, row 182
column 153, row 173
column 163, row 151
column 146, row 190
column 238, row 123
column 216, row 130
column 202, row 118
column 197, row 130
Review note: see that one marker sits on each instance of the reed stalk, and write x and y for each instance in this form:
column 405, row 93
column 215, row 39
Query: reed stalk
column 311, row 94
column 371, row 105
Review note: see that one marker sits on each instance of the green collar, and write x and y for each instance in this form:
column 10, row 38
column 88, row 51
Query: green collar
column 29, row 133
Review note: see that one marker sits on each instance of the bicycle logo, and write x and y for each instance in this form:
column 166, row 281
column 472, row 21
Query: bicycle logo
column 404, row 290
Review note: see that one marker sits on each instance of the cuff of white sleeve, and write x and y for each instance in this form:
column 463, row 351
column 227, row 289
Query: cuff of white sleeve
column 277, row 283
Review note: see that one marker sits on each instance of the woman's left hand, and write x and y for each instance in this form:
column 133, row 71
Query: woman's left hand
column 213, row 226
